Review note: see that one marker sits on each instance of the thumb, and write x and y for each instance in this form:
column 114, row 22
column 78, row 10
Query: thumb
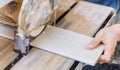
column 95, row 42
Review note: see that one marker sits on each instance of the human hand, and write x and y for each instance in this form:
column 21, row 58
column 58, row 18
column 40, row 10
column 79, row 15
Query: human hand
column 109, row 36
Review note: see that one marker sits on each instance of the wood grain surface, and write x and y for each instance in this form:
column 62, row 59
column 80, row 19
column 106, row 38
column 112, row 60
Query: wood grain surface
column 42, row 60
column 86, row 18
column 7, row 31
column 10, row 11
column 7, row 55
column 10, row 55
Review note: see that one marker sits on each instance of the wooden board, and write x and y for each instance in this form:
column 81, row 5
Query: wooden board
column 68, row 44
column 85, row 15
column 41, row 60
column 6, row 20
column 7, row 31
column 6, row 53
column 64, row 5
column 10, row 11
column 4, row 2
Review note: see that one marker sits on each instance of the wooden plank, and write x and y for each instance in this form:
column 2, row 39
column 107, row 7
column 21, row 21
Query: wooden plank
column 9, row 17
column 11, row 12
column 6, row 20
column 4, row 2
column 79, row 66
column 68, row 44
column 41, row 60
column 86, row 15
column 7, row 31
column 6, row 57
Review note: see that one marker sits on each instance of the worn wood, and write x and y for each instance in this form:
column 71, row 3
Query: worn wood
column 64, row 5
column 6, row 20
column 41, row 60
column 86, row 15
column 6, row 53
column 10, row 12
column 4, row 63
column 4, row 2
column 38, row 59
column 7, row 31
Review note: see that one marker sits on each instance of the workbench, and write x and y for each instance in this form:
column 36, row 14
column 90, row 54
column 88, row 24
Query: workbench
column 81, row 17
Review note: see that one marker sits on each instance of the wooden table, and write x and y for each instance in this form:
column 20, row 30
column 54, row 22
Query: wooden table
column 85, row 18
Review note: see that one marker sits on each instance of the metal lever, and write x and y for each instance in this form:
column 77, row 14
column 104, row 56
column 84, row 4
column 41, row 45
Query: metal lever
column 21, row 45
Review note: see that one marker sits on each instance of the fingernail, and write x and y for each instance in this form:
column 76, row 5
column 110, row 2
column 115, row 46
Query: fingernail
column 89, row 47
column 101, row 62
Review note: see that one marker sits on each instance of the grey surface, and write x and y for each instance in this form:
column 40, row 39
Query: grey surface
column 68, row 44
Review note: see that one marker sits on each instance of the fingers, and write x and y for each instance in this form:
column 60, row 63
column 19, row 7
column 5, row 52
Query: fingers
column 101, row 59
column 96, row 41
column 109, row 51
column 109, row 37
